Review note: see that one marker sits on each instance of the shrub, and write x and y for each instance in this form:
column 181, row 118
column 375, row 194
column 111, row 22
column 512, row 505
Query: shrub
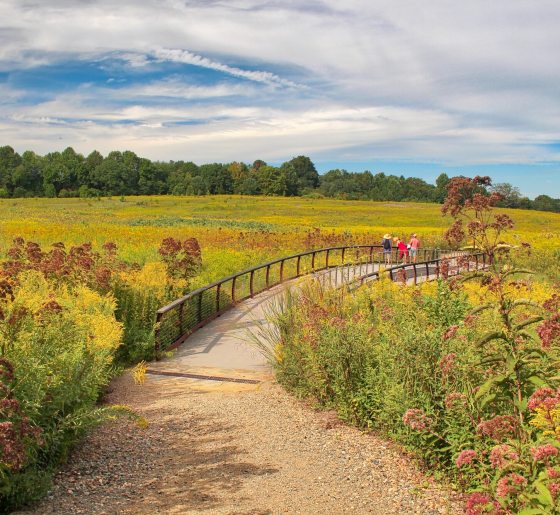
column 57, row 348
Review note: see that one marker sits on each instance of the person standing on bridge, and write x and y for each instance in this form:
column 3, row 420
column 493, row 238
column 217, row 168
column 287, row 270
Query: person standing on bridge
column 387, row 248
column 403, row 250
column 414, row 246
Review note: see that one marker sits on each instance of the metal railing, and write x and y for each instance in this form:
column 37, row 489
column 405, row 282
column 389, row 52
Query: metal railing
column 179, row 319
column 448, row 264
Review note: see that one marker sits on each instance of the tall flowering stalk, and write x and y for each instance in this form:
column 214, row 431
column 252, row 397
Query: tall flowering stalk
column 473, row 217
column 516, row 442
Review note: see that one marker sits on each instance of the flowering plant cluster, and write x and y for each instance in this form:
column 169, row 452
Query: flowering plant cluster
column 461, row 370
column 511, row 453
column 66, row 315
column 182, row 258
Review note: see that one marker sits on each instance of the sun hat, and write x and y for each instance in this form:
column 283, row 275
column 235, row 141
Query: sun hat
column 387, row 236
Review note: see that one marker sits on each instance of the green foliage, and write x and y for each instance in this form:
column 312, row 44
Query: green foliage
column 125, row 173
column 57, row 346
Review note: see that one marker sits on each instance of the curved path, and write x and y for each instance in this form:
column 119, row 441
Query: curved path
column 222, row 348
column 226, row 447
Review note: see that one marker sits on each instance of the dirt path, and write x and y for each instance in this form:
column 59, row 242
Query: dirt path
column 230, row 448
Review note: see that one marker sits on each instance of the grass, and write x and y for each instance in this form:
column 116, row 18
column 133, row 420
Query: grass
column 234, row 231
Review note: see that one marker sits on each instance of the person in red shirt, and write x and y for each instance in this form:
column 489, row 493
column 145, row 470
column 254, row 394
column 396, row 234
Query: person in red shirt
column 403, row 250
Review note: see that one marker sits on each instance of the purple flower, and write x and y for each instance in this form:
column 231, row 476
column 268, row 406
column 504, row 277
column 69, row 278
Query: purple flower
column 502, row 455
column 416, row 419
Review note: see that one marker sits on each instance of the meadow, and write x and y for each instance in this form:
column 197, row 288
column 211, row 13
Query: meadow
column 81, row 279
column 235, row 232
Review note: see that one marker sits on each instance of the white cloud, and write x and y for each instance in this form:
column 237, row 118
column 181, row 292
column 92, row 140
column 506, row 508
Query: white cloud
column 458, row 82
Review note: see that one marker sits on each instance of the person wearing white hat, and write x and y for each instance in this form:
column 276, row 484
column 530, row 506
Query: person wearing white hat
column 387, row 248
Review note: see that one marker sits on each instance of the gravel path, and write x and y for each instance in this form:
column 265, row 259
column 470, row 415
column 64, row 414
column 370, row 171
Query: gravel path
column 236, row 449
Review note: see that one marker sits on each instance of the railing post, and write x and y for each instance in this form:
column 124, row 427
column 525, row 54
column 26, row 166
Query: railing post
column 371, row 254
column 157, row 338
column 218, row 297
column 267, row 276
column 391, row 274
column 415, row 275
column 437, row 268
column 476, row 259
column 282, row 271
column 297, row 266
column 313, row 261
column 327, row 259
column 428, row 271
column 199, row 309
column 181, row 306
column 251, row 283
column 342, row 258
column 233, row 290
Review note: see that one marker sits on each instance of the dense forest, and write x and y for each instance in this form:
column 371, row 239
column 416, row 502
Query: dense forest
column 69, row 174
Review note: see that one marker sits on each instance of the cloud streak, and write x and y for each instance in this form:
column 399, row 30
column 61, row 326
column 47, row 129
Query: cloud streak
column 187, row 57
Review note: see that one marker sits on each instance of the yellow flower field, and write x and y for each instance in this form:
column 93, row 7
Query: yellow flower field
column 235, row 231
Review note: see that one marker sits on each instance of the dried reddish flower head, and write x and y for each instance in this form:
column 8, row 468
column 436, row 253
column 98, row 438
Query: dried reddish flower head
column 510, row 484
column 545, row 398
column 478, row 504
column 455, row 400
column 544, row 452
column 181, row 258
column 416, row 419
column 552, row 304
column 502, row 455
column 450, row 332
column 447, row 364
column 498, row 428
column 549, row 331
column 465, row 458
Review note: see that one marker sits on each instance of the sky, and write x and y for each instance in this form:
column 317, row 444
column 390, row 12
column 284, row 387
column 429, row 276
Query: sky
column 395, row 86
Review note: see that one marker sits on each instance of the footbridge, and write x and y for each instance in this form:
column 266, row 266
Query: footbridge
column 209, row 328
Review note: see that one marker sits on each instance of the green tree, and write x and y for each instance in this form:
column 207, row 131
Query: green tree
column 9, row 161
column 441, row 188
column 180, row 176
column 546, row 203
column 151, row 178
column 305, row 171
column 217, row 178
column 277, row 181
column 511, row 195
column 86, row 176
column 27, row 176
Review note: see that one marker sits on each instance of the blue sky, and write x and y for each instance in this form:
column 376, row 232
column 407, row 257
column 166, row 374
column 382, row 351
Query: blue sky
column 396, row 86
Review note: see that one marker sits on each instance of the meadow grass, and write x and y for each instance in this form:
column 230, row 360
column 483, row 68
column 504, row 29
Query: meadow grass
column 235, row 231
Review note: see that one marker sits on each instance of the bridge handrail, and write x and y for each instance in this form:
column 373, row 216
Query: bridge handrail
column 193, row 293
column 393, row 272
column 180, row 318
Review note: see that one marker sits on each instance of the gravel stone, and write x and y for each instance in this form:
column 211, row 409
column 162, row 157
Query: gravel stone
column 236, row 449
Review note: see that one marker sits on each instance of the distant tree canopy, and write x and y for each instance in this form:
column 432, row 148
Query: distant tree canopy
column 69, row 174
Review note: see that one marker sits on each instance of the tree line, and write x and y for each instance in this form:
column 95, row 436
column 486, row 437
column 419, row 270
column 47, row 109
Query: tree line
column 70, row 174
